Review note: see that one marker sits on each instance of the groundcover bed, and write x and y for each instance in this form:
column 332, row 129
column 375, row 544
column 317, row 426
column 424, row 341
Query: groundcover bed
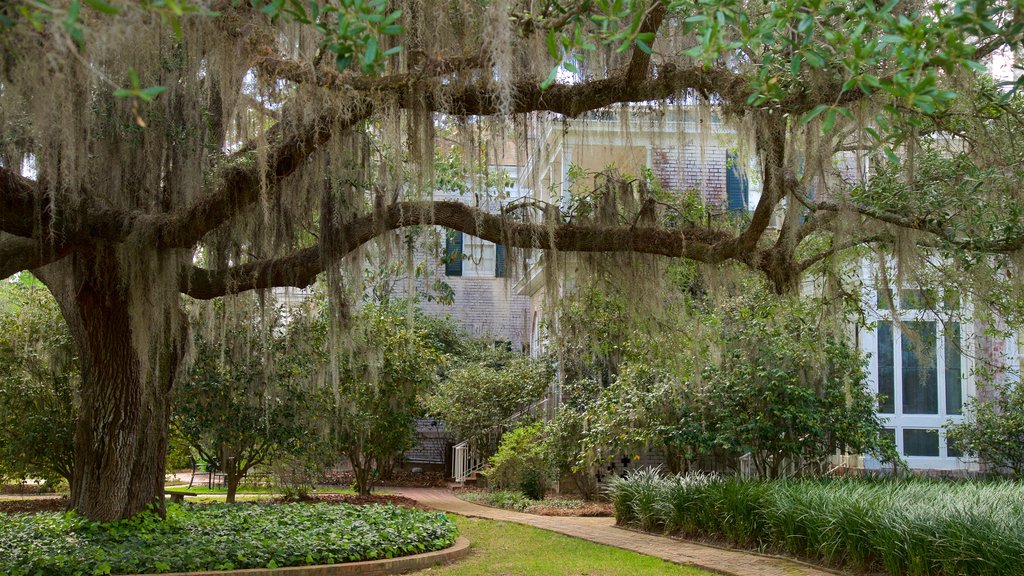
column 197, row 537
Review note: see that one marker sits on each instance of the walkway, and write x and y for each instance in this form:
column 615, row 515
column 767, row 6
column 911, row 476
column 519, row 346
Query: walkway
column 604, row 531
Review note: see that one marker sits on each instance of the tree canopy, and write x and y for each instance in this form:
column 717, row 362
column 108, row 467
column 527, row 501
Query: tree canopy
column 153, row 149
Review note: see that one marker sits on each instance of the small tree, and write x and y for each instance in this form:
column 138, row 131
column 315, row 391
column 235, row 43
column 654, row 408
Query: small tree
column 789, row 390
column 521, row 462
column 248, row 398
column 39, row 381
column 994, row 430
column 485, row 390
column 379, row 392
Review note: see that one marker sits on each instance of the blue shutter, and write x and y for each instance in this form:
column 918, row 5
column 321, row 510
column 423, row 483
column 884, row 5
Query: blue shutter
column 499, row 261
column 737, row 188
column 453, row 253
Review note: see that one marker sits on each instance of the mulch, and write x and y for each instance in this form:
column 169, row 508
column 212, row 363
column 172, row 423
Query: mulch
column 33, row 505
column 398, row 478
column 355, row 499
column 594, row 510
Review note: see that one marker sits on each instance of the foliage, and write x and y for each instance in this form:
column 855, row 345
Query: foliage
column 507, row 499
column 380, row 388
column 752, row 373
column 179, row 453
column 517, row 501
column 520, row 462
column 484, row 391
column 217, row 537
column 904, row 528
column 563, row 437
column 994, row 429
column 238, row 409
column 39, row 380
column 789, row 391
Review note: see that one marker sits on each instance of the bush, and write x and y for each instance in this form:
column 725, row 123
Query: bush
column 485, row 391
column 994, row 432
column 217, row 537
column 913, row 528
column 39, row 381
column 520, row 462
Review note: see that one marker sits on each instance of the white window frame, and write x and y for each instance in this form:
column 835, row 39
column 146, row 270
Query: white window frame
column 898, row 421
column 478, row 257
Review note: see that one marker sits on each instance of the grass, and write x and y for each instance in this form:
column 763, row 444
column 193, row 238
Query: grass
column 912, row 527
column 216, row 537
column 516, row 550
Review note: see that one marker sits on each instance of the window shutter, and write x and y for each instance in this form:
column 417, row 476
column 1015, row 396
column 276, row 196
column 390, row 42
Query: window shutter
column 499, row 261
column 737, row 188
column 453, row 253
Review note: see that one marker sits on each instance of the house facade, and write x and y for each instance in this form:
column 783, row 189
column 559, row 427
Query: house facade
column 923, row 360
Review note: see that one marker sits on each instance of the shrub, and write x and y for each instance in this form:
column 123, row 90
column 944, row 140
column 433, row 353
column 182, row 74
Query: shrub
column 485, row 391
column 39, row 382
column 995, row 431
column 520, row 462
column 913, row 527
column 217, row 537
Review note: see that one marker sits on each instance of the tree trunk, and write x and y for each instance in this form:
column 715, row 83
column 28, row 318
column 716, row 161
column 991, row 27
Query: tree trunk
column 233, row 478
column 121, row 434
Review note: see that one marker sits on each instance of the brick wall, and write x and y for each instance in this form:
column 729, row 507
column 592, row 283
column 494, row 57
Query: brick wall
column 687, row 168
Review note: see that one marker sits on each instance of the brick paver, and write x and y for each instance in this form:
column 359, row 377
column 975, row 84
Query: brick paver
column 604, row 531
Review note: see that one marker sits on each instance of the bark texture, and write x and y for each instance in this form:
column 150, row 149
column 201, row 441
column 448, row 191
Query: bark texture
column 121, row 435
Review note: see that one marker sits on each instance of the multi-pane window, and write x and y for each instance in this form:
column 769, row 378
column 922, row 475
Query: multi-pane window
column 917, row 369
column 467, row 255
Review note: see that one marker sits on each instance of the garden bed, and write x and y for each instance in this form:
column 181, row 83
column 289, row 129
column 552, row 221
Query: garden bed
column 511, row 500
column 905, row 528
column 32, row 505
column 218, row 537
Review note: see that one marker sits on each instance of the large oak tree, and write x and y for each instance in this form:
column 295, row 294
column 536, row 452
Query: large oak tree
column 155, row 149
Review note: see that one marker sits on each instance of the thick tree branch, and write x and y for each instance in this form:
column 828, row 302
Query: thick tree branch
column 17, row 254
column 924, row 224
column 238, row 184
column 640, row 61
column 301, row 268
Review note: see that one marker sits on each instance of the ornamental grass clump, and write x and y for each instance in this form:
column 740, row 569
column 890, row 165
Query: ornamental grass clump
column 902, row 527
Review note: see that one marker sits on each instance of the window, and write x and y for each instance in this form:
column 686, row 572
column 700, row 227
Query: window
column 479, row 257
column 466, row 255
column 917, row 373
column 920, row 442
column 917, row 368
column 920, row 381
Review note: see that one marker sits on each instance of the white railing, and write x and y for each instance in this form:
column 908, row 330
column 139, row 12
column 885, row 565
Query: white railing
column 465, row 461
column 466, row 457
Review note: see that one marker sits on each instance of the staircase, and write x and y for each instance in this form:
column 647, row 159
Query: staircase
column 468, row 460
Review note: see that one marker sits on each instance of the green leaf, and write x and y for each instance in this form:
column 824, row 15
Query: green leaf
column 102, row 6
column 812, row 114
column 370, row 56
column 552, row 45
column 829, row 122
column 550, row 79
column 148, row 94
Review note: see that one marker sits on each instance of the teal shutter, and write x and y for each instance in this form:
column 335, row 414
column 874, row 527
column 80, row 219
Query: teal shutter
column 499, row 261
column 737, row 188
column 453, row 253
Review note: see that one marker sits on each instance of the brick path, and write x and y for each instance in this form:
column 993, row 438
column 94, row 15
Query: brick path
column 604, row 531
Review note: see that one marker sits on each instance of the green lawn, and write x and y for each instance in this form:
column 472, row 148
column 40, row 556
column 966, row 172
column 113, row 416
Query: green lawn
column 516, row 550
